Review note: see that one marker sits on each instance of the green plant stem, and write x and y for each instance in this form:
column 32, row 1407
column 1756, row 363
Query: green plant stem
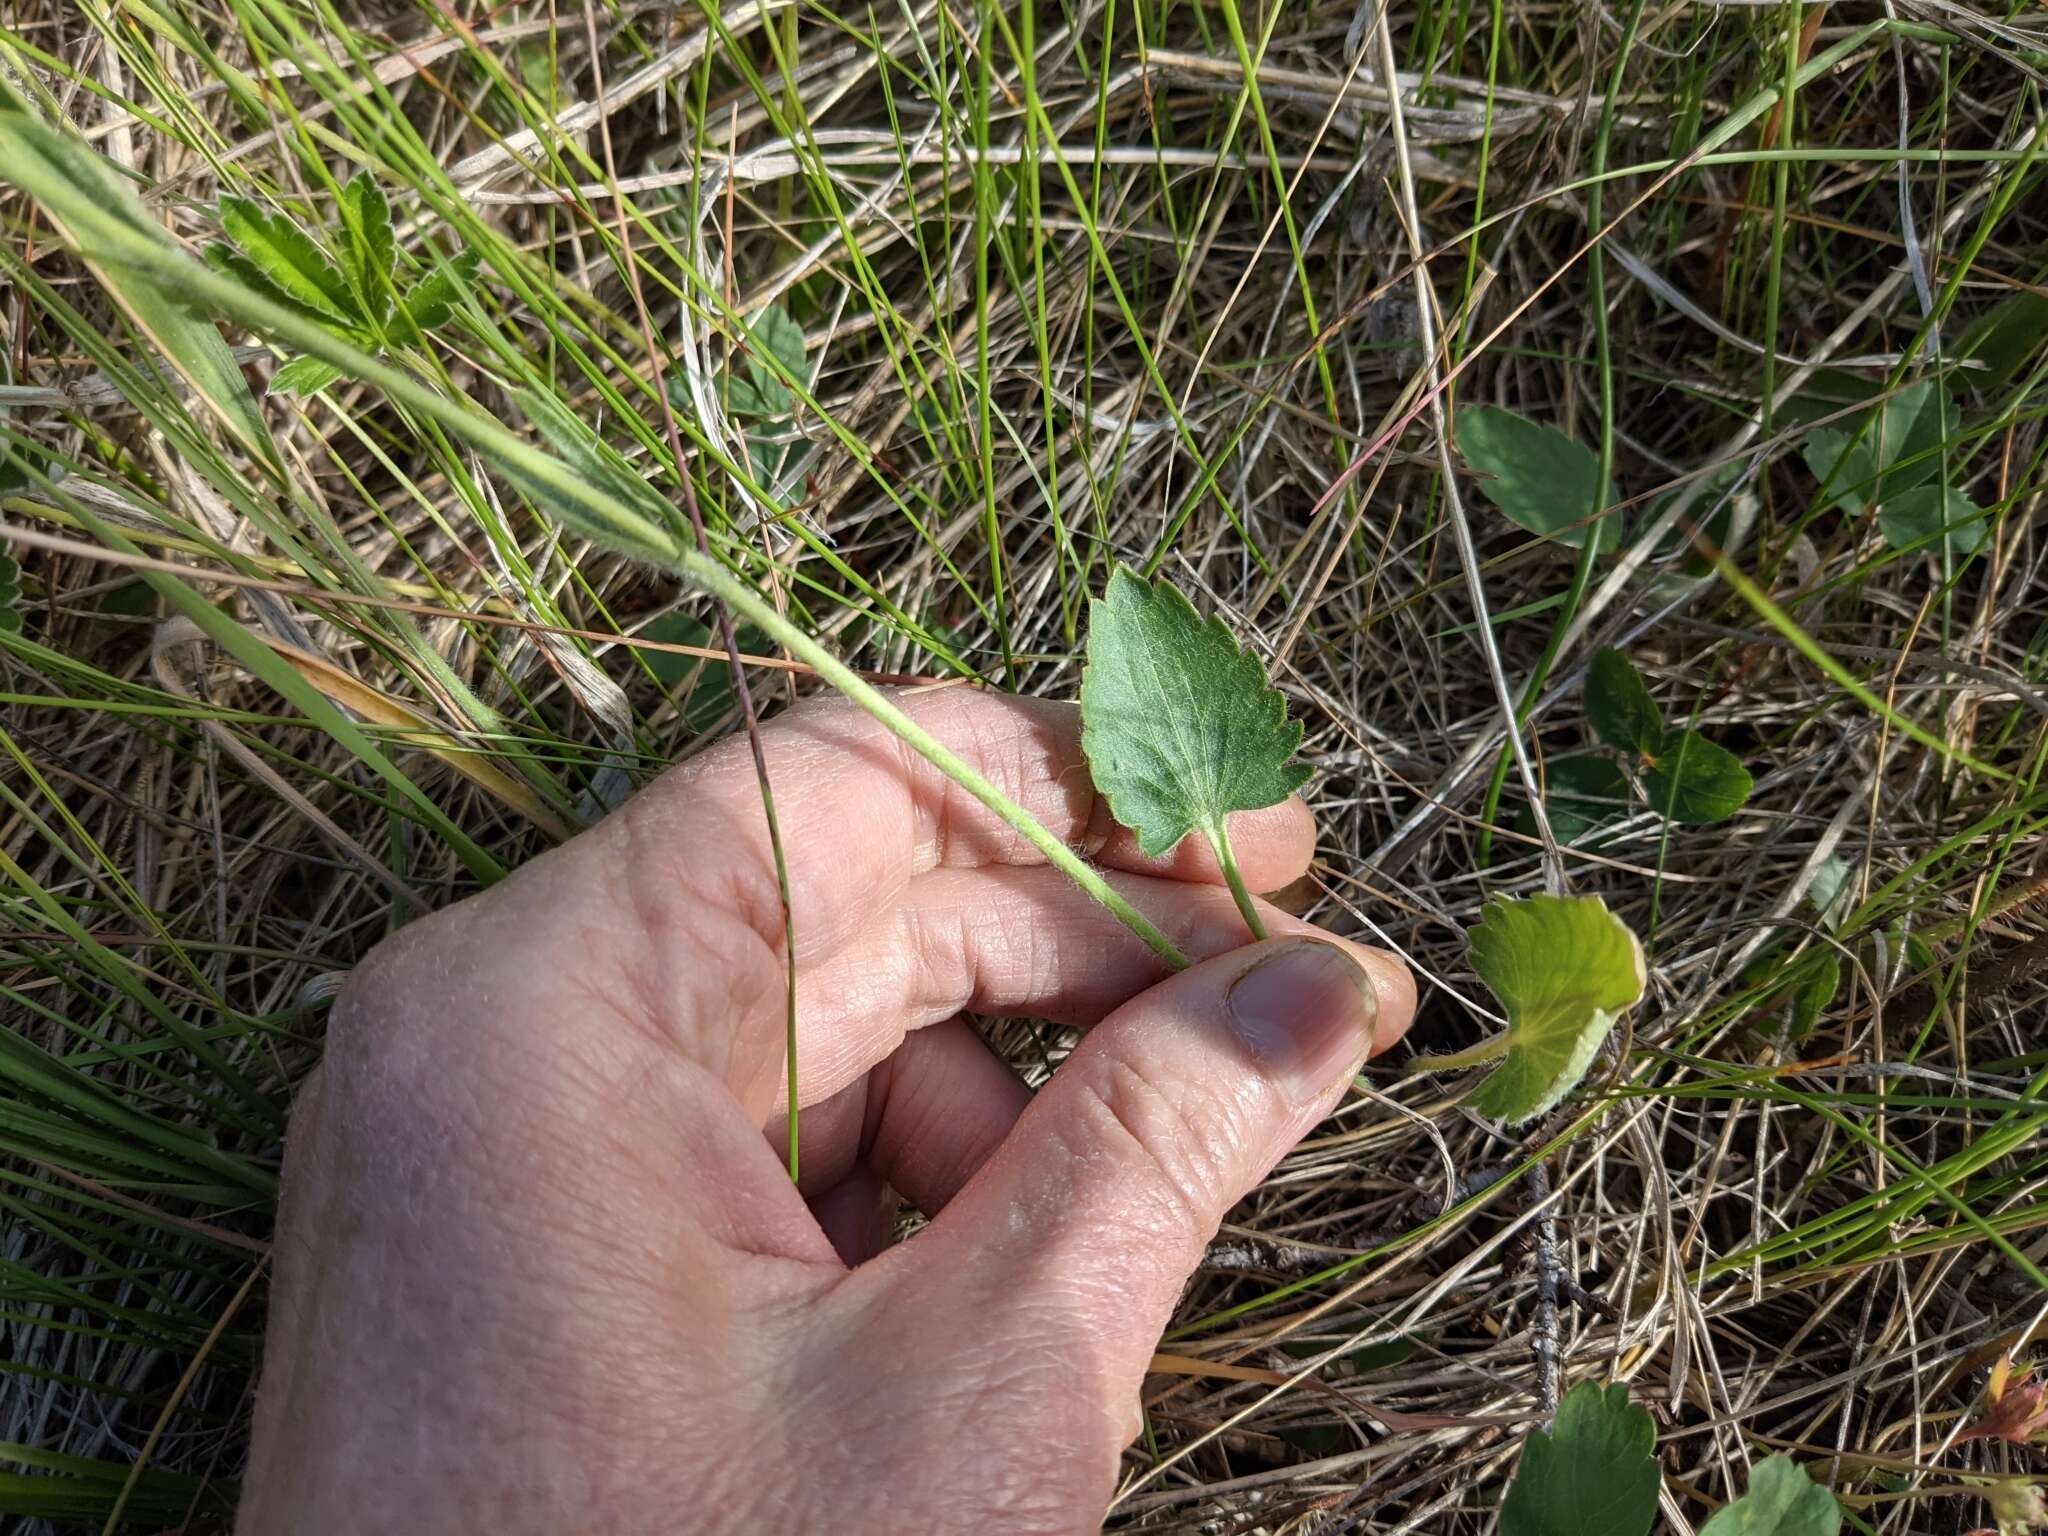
column 1492, row 1048
column 722, row 584
column 1219, row 839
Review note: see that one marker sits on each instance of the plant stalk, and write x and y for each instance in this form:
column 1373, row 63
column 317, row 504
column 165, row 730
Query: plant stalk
column 723, row 585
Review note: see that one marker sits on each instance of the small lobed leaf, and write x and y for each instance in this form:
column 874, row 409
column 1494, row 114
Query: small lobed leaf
column 303, row 376
column 1782, row 1501
column 1593, row 1474
column 1177, row 721
column 372, row 249
column 1619, row 706
column 432, row 301
column 287, row 264
column 1564, row 969
column 1930, row 516
column 1693, row 781
column 1544, row 481
column 1829, row 892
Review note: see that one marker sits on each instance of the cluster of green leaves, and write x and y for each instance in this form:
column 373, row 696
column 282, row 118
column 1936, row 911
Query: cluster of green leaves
column 1893, row 459
column 757, row 397
column 1565, row 969
column 1594, row 1473
column 1178, row 724
column 353, row 296
column 1686, row 777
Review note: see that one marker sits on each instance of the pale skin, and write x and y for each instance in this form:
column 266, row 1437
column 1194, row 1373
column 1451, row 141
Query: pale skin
column 541, row 1267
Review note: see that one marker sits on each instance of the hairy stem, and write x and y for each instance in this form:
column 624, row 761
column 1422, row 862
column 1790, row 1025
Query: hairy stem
column 1219, row 839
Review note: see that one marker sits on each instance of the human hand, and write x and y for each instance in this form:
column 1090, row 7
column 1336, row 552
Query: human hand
column 539, row 1268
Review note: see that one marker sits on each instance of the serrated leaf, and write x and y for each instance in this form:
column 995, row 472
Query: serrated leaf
column 432, row 301
column 1544, row 481
column 1564, row 969
column 1930, row 515
column 1594, row 1474
column 1892, row 449
column 1782, row 1501
column 1619, row 706
column 1581, row 796
column 1177, row 722
column 303, row 376
column 372, row 250
column 294, row 268
column 1692, row 781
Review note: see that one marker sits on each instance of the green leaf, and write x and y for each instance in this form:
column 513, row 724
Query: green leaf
column 1829, row 891
column 294, row 267
column 2005, row 339
column 1564, row 969
column 1541, row 479
column 1582, row 796
column 753, row 388
column 711, row 695
column 1178, row 724
column 774, row 334
column 1815, row 991
column 1782, row 1501
column 303, row 376
column 1893, row 448
column 1619, row 706
column 372, row 250
column 1593, row 1474
column 1930, row 515
column 432, row 301
column 1690, row 780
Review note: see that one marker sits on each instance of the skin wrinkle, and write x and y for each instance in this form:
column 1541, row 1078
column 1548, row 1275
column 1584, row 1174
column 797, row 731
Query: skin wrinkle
column 540, row 1270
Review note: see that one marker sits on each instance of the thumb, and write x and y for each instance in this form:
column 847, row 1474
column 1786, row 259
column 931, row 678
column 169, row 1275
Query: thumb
column 1086, row 1222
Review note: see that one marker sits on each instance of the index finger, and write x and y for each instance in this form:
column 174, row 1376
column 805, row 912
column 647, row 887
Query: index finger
column 861, row 813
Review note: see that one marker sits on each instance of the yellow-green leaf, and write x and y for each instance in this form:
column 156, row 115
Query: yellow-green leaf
column 1564, row 969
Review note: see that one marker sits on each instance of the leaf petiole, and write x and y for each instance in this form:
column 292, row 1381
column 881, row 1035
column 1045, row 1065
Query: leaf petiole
column 1219, row 839
column 1492, row 1048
